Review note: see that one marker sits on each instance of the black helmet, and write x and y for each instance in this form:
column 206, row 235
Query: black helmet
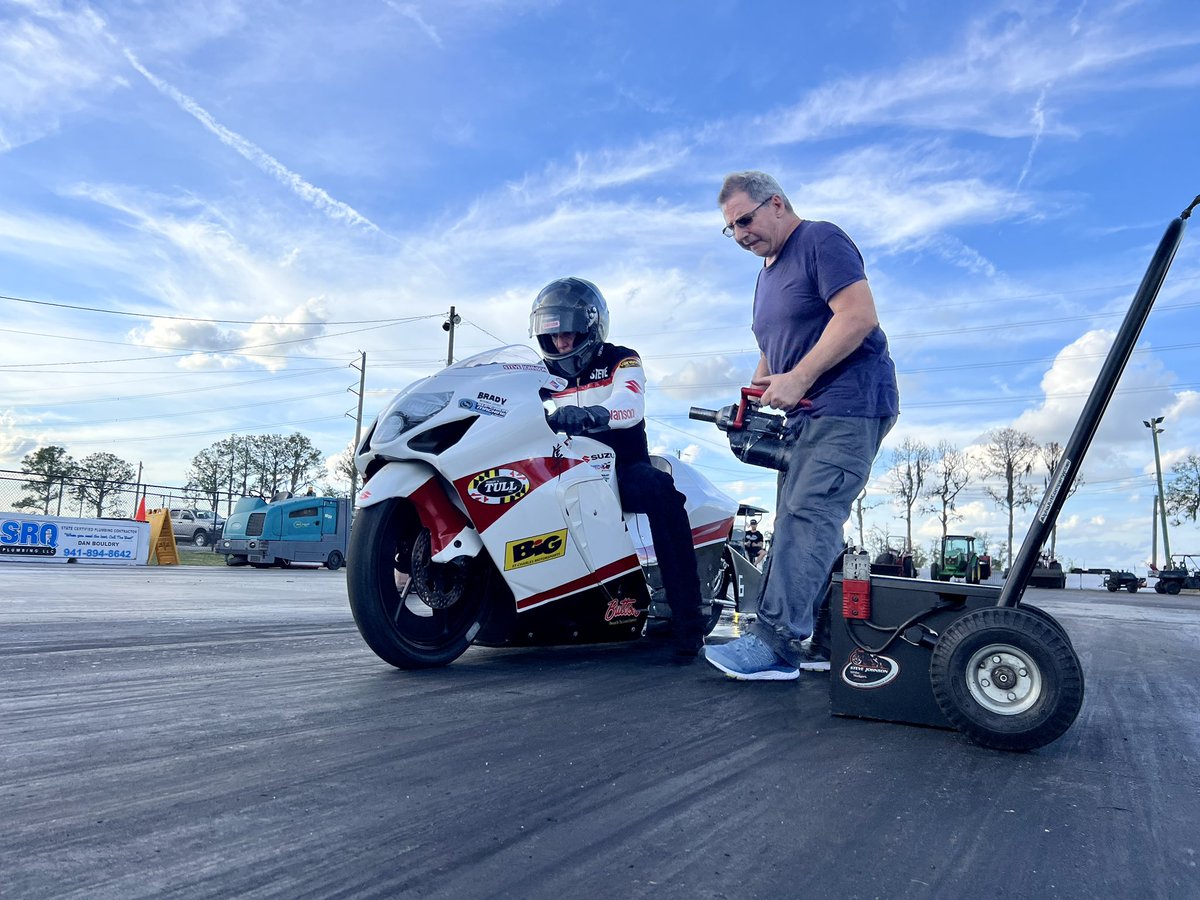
column 569, row 305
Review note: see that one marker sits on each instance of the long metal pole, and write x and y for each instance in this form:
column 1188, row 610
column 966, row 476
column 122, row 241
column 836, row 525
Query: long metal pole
column 1093, row 412
column 1162, row 497
column 450, row 350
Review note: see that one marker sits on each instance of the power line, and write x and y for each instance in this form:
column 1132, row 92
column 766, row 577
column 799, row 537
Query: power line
column 145, row 315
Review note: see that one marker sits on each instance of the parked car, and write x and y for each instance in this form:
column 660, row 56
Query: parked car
column 200, row 526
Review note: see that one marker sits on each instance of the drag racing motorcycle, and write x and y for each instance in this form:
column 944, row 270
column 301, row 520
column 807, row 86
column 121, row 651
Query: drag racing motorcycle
column 478, row 524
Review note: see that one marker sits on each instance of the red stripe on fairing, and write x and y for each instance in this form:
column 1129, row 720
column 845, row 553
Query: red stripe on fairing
column 712, row 532
column 444, row 520
column 603, row 574
column 538, row 470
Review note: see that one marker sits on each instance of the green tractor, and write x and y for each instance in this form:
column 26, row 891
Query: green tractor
column 958, row 559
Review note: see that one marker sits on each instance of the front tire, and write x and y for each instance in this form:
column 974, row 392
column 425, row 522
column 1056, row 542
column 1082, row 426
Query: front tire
column 335, row 560
column 200, row 539
column 1006, row 679
column 391, row 614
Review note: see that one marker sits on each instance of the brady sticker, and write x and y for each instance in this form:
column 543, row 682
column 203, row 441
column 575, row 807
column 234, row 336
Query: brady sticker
column 865, row 670
column 498, row 486
column 533, row 550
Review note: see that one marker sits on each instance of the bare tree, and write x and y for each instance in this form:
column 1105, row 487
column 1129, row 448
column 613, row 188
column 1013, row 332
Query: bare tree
column 861, row 506
column 911, row 462
column 1052, row 452
column 1183, row 492
column 340, row 468
column 949, row 474
column 1010, row 455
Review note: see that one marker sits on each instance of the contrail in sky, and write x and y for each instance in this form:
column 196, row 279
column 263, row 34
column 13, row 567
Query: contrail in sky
column 333, row 208
column 410, row 11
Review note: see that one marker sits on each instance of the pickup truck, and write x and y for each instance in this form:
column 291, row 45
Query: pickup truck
column 200, row 526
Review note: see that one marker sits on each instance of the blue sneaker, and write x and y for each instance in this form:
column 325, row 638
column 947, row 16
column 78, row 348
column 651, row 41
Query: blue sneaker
column 749, row 659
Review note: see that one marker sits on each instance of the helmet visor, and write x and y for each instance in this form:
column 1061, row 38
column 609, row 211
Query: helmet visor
column 558, row 320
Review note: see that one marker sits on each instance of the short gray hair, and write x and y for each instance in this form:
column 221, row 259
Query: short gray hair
column 758, row 186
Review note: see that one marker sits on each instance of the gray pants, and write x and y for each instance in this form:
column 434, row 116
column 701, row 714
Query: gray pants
column 829, row 465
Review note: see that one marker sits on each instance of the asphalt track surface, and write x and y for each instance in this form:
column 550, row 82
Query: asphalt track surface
column 192, row 732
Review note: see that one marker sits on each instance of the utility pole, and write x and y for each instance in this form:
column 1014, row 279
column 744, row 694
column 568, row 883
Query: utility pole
column 362, row 383
column 1153, row 424
column 452, row 320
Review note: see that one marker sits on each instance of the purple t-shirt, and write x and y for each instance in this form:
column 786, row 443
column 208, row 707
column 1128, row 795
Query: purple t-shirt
column 791, row 310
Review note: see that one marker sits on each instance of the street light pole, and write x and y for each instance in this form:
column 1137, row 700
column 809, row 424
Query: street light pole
column 1155, row 431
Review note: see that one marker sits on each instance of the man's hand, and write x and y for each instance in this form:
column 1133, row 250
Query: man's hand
column 785, row 391
column 578, row 419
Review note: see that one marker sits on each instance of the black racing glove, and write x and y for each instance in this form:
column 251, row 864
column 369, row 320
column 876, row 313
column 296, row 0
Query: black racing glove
column 578, row 419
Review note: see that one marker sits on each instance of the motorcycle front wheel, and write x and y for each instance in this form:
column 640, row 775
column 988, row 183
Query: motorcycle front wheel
column 411, row 623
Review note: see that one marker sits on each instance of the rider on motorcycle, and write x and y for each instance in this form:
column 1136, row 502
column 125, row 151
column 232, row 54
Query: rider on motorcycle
column 605, row 398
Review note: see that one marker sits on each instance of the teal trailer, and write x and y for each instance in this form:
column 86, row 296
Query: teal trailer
column 287, row 530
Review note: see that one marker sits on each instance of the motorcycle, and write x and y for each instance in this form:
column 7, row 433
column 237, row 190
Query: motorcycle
column 478, row 524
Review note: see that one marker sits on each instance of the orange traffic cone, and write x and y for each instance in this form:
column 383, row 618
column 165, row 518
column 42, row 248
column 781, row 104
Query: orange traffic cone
column 141, row 513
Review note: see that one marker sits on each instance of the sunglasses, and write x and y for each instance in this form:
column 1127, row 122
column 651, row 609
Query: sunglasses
column 744, row 221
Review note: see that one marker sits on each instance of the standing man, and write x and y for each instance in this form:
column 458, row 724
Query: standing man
column 752, row 541
column 605, row 398
column 824, row 361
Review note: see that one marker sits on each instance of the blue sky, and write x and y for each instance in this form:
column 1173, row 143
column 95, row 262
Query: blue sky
column 241, row 197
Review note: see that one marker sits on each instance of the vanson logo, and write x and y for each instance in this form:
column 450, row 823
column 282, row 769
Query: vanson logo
column 529, row 551
column 498, row 486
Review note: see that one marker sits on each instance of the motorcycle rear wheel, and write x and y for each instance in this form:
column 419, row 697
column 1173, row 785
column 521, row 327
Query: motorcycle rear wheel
column 389, row 610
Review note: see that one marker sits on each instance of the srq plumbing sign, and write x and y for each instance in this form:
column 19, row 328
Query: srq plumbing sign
column 65, row 540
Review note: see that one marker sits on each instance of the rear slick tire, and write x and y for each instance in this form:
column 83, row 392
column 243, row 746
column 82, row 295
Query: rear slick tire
column 393, row 619
column 1006, row 678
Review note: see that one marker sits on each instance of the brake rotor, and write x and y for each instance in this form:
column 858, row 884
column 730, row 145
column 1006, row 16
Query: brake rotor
column 439, row 585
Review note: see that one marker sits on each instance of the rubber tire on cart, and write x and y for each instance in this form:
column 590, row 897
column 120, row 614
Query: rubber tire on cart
column 1112, row 586
column 335, row 560
column 987, row 651
column 1132, row 587
column 236, row 559
column 1159, row 587
column 392, row 616
column 1048, row 619
column 1173, row 587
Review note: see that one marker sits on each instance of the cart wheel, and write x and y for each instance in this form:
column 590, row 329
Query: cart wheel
column 1006, row 678
column 1048, row 619
column 1159, row 587
column 1112, row 586
column 1173, row 587
column 1132, row 587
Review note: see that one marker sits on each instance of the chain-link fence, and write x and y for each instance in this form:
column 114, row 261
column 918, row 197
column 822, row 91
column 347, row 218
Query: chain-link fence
column 87, row 499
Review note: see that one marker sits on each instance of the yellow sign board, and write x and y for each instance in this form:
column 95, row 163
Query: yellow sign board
column 163, row 551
